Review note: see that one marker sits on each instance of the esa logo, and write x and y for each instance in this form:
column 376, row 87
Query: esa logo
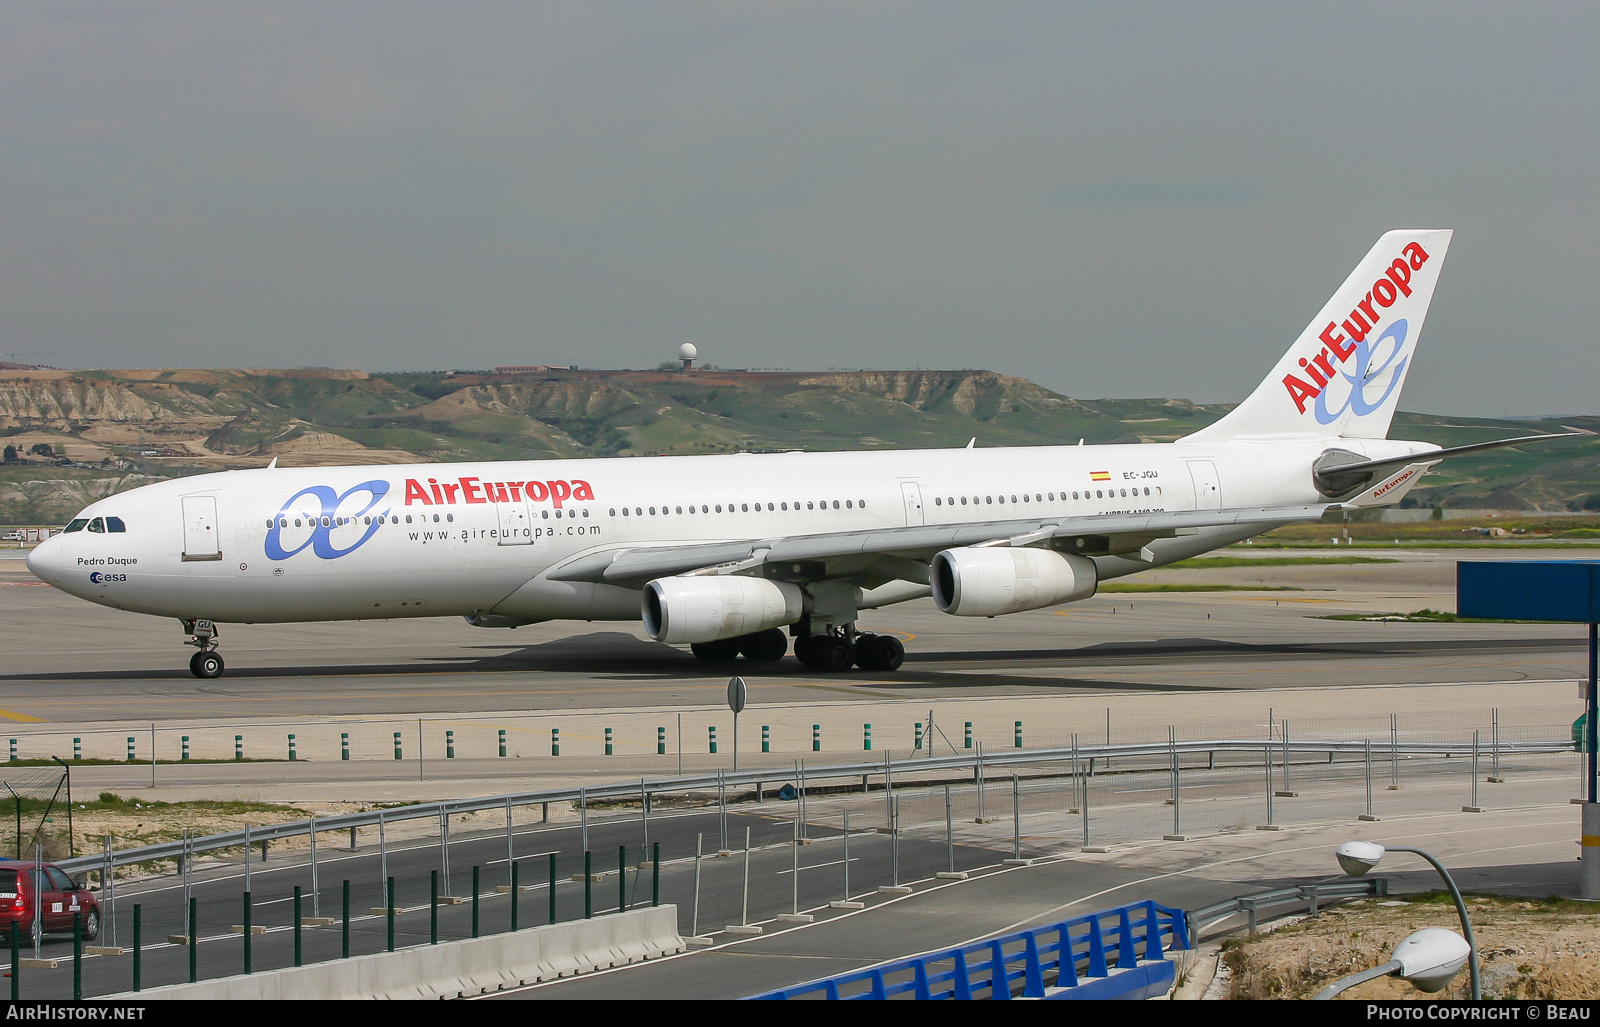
column 101, row 579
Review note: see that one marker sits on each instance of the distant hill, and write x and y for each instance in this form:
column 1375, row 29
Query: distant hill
column 119, row 428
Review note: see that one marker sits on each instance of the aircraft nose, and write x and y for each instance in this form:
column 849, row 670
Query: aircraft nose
column 45, row 561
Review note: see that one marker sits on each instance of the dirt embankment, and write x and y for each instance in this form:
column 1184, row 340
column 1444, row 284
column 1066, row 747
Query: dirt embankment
column 1526, row 950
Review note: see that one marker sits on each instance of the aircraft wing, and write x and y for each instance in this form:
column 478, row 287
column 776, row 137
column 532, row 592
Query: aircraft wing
column 847, row 552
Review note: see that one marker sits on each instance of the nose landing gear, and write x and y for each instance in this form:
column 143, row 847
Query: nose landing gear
column 207, row 663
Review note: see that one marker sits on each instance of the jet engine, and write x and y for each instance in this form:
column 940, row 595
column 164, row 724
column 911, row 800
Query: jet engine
column 705, row 608
column 989, row 581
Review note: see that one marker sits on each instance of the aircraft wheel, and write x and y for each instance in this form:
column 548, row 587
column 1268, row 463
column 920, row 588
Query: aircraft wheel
column 879, row 652
column 832, row 654
column 720, row 651
column 206, row 665
column 765, row 646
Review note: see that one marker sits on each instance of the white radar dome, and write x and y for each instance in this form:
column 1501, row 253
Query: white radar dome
column 687, row 351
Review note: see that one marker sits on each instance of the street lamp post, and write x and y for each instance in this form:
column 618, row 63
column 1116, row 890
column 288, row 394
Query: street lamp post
column 1358, row 858
column 1429, row 959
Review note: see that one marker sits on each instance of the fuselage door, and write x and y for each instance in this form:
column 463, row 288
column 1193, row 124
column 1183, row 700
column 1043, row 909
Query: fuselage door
column 1207, row 486
column 200, row 541
column 911, row 492
column 515, row 528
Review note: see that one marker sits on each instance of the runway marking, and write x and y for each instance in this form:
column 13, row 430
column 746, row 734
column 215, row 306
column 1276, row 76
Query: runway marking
column 21, row 718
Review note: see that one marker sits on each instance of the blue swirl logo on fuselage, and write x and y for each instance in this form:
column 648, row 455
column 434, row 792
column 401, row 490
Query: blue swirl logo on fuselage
column 1365, row 373
column 325, row 521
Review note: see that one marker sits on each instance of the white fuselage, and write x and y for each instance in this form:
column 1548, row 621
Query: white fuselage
column 334, row 543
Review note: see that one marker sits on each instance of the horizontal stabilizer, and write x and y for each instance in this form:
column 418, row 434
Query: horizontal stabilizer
column 1335, row 477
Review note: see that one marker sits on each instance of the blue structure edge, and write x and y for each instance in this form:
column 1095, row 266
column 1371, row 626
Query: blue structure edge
column 1117, row 953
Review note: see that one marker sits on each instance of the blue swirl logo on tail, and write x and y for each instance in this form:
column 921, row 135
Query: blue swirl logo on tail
column 1362, row 374
column 326, row 520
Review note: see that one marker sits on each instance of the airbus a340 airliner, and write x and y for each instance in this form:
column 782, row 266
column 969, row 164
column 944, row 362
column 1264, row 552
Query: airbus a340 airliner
column 726, row 553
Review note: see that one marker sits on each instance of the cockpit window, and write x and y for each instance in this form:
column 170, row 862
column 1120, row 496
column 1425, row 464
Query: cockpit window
column 77, row 524
column 115, row 524
column 98, row 524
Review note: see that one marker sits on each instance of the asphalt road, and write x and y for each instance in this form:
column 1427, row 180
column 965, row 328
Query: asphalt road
column 68, row 661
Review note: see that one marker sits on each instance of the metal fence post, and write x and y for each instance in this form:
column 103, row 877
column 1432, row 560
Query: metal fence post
column 977, row 771
column 894, row 842
column 949, row 834
column 794, row 871
column 316, row 891
column 1076, row 803
column 846, row 831
column 444, row 851
column 1394, row 753
column 475, row 898
column 694, row 916
column 511, row 850
column 246, row 903
column 583, row 817
column 108, row 890
column 655, row 874
column 722, row 811
column 1367, row 759
column 1266, row 763
column 344, row 938
column 1495, row 742
column 1286, row 788
column 383, row 850
column 744, row 909
column 1016, row 817
column 433, row 907
column 1083, row 794
column 1172, row 751
column 1474, row 808
column 552, row 888
column 800, row 797
column 297, row 924
column 388, row 908
column 622, row 878
column 888, row 786
column 588, row 885
column 194, row 942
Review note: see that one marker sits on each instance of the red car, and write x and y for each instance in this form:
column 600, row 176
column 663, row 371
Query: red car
column 62, row 897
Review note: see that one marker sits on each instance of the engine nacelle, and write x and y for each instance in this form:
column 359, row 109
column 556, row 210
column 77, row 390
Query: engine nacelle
column 705, row 608
column 989, row 581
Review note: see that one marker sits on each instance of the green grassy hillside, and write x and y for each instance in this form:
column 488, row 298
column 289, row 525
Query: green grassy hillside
column 164, row 423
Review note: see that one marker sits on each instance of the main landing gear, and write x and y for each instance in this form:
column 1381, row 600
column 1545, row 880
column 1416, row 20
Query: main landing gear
column 207, row 663
column 835, row 653
column 762, row 646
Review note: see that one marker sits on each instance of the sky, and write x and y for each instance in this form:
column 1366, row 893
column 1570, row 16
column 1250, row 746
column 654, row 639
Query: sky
column 1119, row 199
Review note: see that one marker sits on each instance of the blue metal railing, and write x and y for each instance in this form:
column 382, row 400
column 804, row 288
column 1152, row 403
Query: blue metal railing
column 1118, row 953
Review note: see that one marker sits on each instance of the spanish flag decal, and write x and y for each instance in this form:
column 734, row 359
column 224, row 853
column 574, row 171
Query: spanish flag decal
column 1099, row 475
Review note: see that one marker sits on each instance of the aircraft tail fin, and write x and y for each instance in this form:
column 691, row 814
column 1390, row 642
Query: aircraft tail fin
column 1343, row 375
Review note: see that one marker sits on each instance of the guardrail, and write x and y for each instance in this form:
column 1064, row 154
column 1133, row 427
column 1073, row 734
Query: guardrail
column 1086, row 755
column 1312, row 896
column 1118, row 953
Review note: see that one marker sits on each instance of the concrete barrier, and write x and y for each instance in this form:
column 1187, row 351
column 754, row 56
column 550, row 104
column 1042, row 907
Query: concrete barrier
column 458, row 968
